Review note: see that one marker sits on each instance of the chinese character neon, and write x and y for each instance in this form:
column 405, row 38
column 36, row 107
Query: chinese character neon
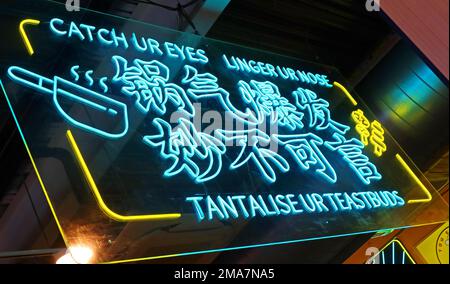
column 304, row 148
column 264, row 99
column 351, row 150
column 148, row 83
column 252, row 143
column 205, row 86
column 317, row 109
column 186, row 147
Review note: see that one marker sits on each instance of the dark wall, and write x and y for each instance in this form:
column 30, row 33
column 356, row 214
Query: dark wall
column 411, row 102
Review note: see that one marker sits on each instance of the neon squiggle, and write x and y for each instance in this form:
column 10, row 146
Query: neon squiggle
column 74, row 73
column 103, row 85
column 88, row 76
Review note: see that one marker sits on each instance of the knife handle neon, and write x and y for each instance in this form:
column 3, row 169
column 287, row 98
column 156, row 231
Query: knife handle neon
column 31, row 80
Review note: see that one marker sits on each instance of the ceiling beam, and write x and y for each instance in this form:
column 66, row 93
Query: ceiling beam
column 207, row 15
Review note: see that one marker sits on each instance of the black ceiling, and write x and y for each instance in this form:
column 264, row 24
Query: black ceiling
column 333, row 32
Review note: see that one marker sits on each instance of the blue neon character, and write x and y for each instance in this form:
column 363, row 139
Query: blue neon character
column 205, row 86
column 187, row 148
column 352, row 152
column 304, row 148
column 317, row 110
column 252, row 143
column 148, row 82
column 264, row 99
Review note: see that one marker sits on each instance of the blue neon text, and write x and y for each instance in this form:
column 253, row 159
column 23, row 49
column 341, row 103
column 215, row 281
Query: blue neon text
column 251, row 206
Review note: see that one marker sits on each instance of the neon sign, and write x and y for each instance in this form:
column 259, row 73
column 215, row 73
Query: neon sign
column 111, row 38
column 147, row 83
column 174, row 130
column 241, row 206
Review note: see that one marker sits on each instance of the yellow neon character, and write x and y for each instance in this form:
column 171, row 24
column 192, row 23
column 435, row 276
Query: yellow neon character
column 377, row 138
column 370, row 132
column 362, row 125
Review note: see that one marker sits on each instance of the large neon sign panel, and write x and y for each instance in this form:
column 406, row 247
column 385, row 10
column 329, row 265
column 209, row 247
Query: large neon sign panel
column 169, row 130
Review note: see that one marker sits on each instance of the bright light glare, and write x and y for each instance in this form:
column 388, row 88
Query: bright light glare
column 76, row 255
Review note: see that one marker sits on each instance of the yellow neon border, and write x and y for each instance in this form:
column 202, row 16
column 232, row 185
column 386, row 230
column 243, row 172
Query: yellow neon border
column 98, row 198
column 417, row 180
column 344, row 90
column 24, row 34
column 395, row 240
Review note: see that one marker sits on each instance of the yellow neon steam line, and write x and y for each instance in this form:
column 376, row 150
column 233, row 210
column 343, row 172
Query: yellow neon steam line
column 344, row 90
column 24, row 34
column 417, row 180
column 113, row 215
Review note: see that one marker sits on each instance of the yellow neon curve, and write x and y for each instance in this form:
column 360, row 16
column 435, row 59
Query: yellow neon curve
column 343, row 89
column 417, row 180
column 111, row 214
column 24, row 35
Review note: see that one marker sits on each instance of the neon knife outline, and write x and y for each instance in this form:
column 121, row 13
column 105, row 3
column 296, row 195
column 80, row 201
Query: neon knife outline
column 91, row 99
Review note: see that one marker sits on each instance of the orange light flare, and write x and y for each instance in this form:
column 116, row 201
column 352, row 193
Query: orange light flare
column 79, row 254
